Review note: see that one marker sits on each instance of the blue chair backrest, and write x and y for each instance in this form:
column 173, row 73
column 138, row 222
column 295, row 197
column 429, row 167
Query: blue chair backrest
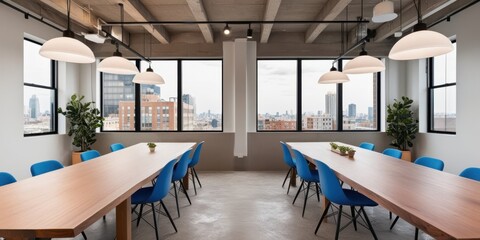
column 44, row 167
column 393, row 152
column 196, row 155
column 329, row 184
column 430, row 162
column 88, row 155
column 6, row 178
column 303, row 169
column 472, row 173
column 287, row 156
column 367, row 145
column 162, row 185
column 116, row 146
column 182, row 166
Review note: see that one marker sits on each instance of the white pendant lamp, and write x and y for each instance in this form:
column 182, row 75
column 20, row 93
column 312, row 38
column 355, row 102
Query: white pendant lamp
column 117, row 65
column 148, row 77
column 421, row 43
column 67, row 48
column 364, row 64
column 333, row 76
column 383, row 12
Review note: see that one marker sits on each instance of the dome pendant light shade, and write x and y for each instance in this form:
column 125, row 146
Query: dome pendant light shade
column 148, row 77
column 117, row 65
column 420, row 44
column 383, row 12
column 364, row 64
column 333, row 76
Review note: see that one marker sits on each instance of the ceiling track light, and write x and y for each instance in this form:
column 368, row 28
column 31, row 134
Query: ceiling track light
column 384, row 12
column 67, row 48
column 249, row 32
column 226, row 30
column 421, row 43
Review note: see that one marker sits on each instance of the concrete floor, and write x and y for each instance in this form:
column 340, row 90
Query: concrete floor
column 249, row 205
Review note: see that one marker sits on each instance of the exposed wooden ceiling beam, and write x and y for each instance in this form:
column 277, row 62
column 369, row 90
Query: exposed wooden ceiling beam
column 271, row 11
column 198, row 11
column 77, row 14
column 409, row 17
column 329, row 12
column 139, row 12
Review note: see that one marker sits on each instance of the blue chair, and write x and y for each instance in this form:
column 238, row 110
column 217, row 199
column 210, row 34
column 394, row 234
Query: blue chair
column 45, row 167
column 334, row 192
column 6, row 178
column 116, row 146
column 307, row 175
column 179, row 173
column 429, row 162
column 150, row 195
column 367, row 145
column 471, row 173
column 89, row 155
column 193, row 162
column 392, row 152
column 287, row 158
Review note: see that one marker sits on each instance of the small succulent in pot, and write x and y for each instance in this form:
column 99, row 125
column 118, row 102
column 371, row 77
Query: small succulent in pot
column 351, row 152
column 333, row 145
column 343, row 149
column 152, row 146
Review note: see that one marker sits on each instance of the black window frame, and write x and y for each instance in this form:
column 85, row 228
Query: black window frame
column 53, row 86
column 179, row 99
column 339, row 92
column 430, row 96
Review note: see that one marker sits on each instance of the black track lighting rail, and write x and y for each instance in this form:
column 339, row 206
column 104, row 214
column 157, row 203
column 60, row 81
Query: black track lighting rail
column 229, row 22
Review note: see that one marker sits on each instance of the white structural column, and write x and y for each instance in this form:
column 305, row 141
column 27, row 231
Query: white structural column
column 239, row 91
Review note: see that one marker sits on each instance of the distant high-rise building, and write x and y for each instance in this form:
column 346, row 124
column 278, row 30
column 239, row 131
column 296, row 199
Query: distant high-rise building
column 34, row 105
column 331, row 104
column 370, row 113
column 116, row 89
column 352, row 110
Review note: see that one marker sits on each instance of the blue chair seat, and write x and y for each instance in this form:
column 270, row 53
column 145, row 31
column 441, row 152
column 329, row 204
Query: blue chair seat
column 357, row 199
column 141, row 196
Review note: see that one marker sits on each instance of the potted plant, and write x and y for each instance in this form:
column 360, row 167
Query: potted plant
column 84, row 119
column 402, row 126
column 343, row 150
column 152, row 146
column 351, row 152
column 334, row 146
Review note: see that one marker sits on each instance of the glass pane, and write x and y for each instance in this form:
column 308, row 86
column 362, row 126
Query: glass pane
column 39, row 104
column 36, row 69
column 118, row 102
column 445, row 67
column 159, row 102
column 277, row 95
column 445, row 109
column 360, row 102
column 202, row 95
column 319, row 101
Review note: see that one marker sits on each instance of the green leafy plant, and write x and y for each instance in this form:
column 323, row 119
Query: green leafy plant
column 333, row 145
column 151, row 145
column 343, row 149
column 401, row 125
column 84, row 119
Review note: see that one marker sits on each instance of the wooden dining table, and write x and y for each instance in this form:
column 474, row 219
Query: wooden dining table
column 441, row 204
column 65, row 202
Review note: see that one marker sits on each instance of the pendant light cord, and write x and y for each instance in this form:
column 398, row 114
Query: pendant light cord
column 68, row 14
column 419, row 10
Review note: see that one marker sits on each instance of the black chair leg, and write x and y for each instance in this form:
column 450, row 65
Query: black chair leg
column 84, row 235
column 338, row 221
column 168, row 215
column 185, row 191
column 140, row 214
column 134, row 208
column 196, row 176
column 288, row 189
column 306, row 197
column 416, row 233
column 193, row 180
column 298, row 192
column 323, row 216
column 390, row 214
column 369, row 224
column 394, row 222
column 318, row 192
column 284, row 180
column 352, row 210
column 176, row 198
column 154, row 220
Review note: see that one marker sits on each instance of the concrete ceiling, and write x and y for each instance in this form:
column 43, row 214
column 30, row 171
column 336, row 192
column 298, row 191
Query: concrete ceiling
column 86, row 12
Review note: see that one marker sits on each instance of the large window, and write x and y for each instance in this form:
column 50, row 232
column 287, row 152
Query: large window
column 277, row 90
column 139, row 107
column 290, row 98
column 443, row 92
column 39, row 91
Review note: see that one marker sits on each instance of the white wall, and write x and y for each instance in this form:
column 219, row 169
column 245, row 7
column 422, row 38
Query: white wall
column 458, row 151
column 19, row 152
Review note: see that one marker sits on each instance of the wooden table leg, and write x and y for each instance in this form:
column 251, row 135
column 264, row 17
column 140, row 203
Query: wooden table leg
column 185, row 179
column 124, row 220
column 293, row 178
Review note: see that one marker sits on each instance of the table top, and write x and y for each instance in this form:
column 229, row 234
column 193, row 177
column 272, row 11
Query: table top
column 63, row 203
column 441, row 204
